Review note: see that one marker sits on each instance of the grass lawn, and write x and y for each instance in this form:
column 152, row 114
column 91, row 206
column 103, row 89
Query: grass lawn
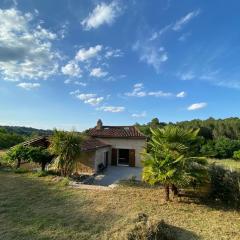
column 40, row 208
column 227, row 163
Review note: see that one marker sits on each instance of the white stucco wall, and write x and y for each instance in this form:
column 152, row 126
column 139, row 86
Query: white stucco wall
column 99, row 156
column 125, row 143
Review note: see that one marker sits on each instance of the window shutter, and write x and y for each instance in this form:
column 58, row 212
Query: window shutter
column 132, row 157
column 114, row 156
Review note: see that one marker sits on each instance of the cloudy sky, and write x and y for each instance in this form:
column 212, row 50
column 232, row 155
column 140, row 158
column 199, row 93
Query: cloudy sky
column 66, row 63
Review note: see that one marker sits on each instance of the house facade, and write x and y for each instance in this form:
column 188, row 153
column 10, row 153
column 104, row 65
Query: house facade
column 115, row 145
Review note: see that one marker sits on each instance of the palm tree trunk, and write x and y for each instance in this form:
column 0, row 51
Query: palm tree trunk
column 43, row 166
column 166, row 187
column 174, row 190
column 18, row 163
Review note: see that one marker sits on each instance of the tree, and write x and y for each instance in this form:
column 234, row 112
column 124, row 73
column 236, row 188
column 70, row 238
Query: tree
column 67, row 147
column 40, row 155
column 18, row 154
column 171, row 159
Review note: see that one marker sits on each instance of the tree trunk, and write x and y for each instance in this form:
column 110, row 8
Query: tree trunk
column 43, row 166
column 18, row 163
column 174, row 190
column 166, row 187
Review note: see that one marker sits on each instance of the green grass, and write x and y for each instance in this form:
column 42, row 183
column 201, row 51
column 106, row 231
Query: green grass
column 227, row 163
column 37, row 208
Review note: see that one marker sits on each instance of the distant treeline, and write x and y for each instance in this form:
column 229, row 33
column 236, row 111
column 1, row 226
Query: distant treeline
column 218, row 137
column 12, row 135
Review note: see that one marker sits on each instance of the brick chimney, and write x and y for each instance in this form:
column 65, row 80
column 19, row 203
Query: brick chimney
column 99, row 124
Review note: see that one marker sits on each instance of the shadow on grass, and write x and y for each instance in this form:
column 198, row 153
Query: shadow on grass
column 33, row 208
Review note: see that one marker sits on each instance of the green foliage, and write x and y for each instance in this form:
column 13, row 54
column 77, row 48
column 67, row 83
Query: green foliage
column 67, row 147
column 236, row 155
column 220, row 148
column 225, row 147
column 225, row 185
column 17, row 154
column 208, row 149
column 39, row 155
column 8, row 140
column 171, row 158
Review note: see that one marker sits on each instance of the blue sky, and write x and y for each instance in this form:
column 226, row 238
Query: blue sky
column 67, row 63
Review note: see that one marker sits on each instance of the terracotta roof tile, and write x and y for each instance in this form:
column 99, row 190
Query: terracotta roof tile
column 116, row 132
column 91, row 144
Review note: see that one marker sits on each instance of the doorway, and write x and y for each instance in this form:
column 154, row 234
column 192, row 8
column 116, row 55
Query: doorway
column 123, row 157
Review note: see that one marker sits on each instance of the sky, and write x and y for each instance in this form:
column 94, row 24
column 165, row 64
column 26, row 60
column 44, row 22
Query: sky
column 67, row 63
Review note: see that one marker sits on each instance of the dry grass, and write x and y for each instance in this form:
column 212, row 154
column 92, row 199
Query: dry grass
column 39, row 208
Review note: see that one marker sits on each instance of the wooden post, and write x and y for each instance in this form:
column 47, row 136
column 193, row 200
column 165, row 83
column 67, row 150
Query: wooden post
column 114, row 157
column 132, row 157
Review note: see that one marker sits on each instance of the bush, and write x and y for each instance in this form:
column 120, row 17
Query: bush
column 220, row 148
column 208, row 149
column 225, row 147
column 225, row 185
column 236, row 155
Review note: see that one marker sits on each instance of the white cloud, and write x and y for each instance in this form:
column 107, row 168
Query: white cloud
column 112, row 109
column 187, row 76
column 98, row 72
column 88, row 98
column 197, row 106
column 160, row 94
column 150, row 54
column 139, row 115
column 75, row 92
column 113, row 53
column 86, row 54
column 94, row 101
column 26, row 49
column 184, row 20
column 139, row 92
column 72, row 69
column 102, row 14
column 181, row 94
column 184, row 36
column 72, row 81
column 28, row 86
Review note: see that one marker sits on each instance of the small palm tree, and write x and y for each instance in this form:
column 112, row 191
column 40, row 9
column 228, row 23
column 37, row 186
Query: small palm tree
column 171, row 160
column 67, row 147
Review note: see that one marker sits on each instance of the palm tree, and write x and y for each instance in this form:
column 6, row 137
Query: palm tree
column 67, row 147
column 171, row 160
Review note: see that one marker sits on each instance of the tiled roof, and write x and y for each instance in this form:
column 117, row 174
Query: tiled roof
column 116, row 132
column 91, row 144
column 88, row 144
column 41, row 141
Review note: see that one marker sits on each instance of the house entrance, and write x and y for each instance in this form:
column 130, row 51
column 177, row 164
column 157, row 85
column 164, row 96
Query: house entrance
column 123, row 157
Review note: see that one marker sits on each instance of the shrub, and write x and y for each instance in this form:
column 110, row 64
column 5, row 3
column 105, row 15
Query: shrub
column 225, row 147
column 236, row 155
column 225, row 185
column 208, row 149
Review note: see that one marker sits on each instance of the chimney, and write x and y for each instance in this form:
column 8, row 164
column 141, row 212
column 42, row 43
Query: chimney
column 99, row 124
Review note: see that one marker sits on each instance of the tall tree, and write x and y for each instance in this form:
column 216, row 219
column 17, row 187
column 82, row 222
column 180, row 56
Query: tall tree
column 171, row 159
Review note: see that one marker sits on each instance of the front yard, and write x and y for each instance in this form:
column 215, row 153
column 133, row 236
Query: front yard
column 40, row 208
